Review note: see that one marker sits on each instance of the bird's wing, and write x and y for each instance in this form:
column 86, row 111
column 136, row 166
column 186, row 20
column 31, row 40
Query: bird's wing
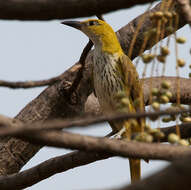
column 133, row 84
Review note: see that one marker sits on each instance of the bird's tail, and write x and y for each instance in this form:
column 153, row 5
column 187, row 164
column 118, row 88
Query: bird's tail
column 135, row 164
column 135, row 169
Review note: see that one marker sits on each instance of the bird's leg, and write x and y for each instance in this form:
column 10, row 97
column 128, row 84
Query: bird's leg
column 119, row 134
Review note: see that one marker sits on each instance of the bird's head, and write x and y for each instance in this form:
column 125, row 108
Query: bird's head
column 101, row 33
column 95, row 29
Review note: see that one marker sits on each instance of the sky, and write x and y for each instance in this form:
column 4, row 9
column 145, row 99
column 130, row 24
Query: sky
column 41, row 50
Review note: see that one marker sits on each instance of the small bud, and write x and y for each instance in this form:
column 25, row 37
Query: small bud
column 155, row 91
column 159, row 134
column 187, row 119
column 181, row 40
column 168, row 94
column 147, row 58
column 153, row 131
column 158, row 15
column 173, row 138
column 144, row 137
column 168, row 14
column 181, row 62
column 183, row 142
column 161, row 58
column 155, row 105
column 164, row 99
column 165, row 84
column 166, row 119
column 147, row 127
column 164, row 51
column 125, row 101
column 169, row 30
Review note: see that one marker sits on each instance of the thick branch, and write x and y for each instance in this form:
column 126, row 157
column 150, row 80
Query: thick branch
column 60, row 9
column 12, row 127
column 155, row 151
column 93, row 106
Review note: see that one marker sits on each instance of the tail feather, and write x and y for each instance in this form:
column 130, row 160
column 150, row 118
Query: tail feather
column 135, row 169
column 135, row 164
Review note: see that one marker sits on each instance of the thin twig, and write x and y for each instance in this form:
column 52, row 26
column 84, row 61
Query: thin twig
column 100, row 17
column 30, row 84
column 86, row 120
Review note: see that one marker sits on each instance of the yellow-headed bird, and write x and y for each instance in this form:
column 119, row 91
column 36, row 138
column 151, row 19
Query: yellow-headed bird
column 116, row 80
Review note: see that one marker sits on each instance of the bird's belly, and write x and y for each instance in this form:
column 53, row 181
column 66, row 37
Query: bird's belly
column 107, row 86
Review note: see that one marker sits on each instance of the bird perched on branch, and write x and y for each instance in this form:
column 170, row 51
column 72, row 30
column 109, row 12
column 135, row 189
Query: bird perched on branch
column 116, row 81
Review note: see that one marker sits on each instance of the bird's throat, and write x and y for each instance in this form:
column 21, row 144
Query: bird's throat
column 108, row 44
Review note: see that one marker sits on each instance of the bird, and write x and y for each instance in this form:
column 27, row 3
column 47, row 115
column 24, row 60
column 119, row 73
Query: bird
column 116, row 82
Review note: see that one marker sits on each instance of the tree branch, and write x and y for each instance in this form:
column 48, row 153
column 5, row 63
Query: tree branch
column 12, row 127
column 61, row 9
column 155, row 151
column 78, row 158
column 92, row 105
column 30, row 84
column 48, row 168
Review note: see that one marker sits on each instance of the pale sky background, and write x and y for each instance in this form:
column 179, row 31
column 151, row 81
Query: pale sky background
column 40, row 50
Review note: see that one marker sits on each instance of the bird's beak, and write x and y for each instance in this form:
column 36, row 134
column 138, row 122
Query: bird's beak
column 74, row 24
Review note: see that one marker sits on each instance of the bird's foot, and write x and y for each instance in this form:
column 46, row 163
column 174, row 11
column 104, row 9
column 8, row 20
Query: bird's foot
column 120, row 133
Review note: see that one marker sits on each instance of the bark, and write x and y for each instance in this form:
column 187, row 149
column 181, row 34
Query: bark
column 60, row 9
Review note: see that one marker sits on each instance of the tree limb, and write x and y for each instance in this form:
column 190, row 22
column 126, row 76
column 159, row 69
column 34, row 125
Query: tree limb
column 48, row 168
column 78, row 158
column 92, row 105
column 60, row 9
column 12, row 127
column 30, row 84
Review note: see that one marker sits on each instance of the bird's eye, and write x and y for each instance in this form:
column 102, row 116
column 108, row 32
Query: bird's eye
column 91, row 23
